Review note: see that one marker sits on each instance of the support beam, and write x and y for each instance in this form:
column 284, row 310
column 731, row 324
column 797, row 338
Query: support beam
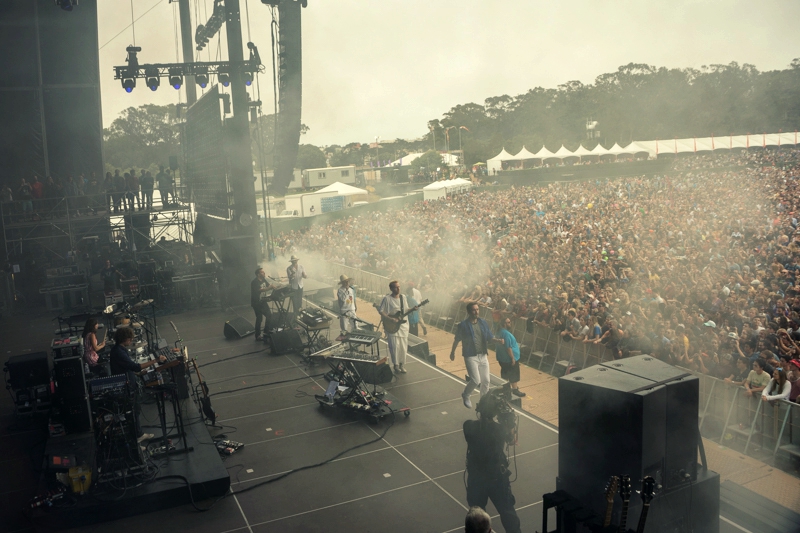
column 188, row 49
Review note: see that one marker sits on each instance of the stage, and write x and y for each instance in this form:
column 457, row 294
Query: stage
column 412, row 479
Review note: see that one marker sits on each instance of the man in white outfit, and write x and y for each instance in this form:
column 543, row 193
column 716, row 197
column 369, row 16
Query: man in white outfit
column 397, row 341
column 346, row 297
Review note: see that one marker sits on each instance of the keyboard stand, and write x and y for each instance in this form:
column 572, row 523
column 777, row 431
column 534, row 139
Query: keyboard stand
column 161, row 392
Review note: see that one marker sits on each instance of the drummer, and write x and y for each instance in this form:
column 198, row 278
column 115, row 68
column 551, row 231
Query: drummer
column 121, row 363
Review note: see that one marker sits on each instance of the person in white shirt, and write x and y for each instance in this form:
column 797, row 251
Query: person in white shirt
column 346, row 297
column 778, row 387
column 296, row 274
column 397, row 341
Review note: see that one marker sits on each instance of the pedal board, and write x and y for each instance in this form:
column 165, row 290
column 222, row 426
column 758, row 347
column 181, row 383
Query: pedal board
column 228, row 447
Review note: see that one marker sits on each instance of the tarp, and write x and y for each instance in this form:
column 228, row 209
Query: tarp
column 343, row 189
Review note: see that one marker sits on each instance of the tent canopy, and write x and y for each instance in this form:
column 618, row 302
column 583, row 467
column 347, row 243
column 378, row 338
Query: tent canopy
column 523, row 155
column 564, row 153
column 343, row 189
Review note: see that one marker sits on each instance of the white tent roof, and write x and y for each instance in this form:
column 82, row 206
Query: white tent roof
column 581, row 151
column 617, row 150
column 523, row 155
column 563, row 153
column 599, row 150
column 636, row 148
column 544, row 153
column 502, row 156
column 343, row 189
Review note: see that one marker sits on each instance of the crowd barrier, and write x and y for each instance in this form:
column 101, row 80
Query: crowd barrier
column 762, row 429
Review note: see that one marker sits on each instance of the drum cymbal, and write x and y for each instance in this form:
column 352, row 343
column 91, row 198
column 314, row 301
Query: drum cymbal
column 143, row 303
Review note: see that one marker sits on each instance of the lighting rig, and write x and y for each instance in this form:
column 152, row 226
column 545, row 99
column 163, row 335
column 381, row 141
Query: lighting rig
column 176, row 72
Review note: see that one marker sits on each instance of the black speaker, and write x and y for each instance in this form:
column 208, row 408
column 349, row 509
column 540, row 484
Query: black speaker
column 69, row 377
column 285, row 341
column 287, row 137
column 683, row 403
column 74, row 413
column 137, row 230
column 689, row 507
column 374, row 374
column 147, row 272
column 238, row 328
column 28, row 370
column 419, row 347
column 239, row 261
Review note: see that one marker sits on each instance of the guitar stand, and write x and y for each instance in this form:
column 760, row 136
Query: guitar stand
column 570, row 513
column 161, row 392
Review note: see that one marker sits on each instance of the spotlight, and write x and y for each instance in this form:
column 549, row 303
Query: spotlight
column 152, row 75
column 176, row 78
column 66, row 5
column 201, row 76
column 248, row 78
column 128, row 84
column 223, row 76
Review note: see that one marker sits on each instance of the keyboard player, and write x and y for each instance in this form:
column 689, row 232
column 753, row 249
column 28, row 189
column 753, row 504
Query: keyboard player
column 121, row 363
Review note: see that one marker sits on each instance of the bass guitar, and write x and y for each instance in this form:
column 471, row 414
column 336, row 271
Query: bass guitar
column 625, row 494
column 205, row 401
column 611, row 491
column 647, row 493
column 390, row 326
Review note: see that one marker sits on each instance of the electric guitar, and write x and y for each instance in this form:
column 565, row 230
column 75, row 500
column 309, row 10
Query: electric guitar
column 389, row 326
column 647, row 493
column 611, row 491
column 625, row 494
column 205, row 401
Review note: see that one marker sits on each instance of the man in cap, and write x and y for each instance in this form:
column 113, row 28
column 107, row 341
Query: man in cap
column 346, row 297
column 296, row 274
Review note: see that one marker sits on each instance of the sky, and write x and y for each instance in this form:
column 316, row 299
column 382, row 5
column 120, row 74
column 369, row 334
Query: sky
column 384, row 68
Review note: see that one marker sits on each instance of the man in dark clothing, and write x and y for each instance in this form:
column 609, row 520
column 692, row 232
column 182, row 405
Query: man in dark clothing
column 121, row 363
column 487, row 465
column 147, row 182
column 110, row 276
column 118, row 191
column 258, row 300
column 165, row 187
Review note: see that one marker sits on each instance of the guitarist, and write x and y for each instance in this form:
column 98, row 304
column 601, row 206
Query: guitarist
column 391, row 304
column 476, row 335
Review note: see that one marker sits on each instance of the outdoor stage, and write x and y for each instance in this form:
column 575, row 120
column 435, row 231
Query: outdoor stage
column 411, row 480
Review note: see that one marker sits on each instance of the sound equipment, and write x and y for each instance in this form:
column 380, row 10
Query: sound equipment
column 67, row 346
column 74, row 414
column 285, row 341
column 111, row 386
column 147, row 272
column 69, row 377
column 419, row 347
column 374, row 374
column 612, row 421
column 205, row 401
column 689, row 507
column 287, row 139
column 28, row 370
column 238, row 328
column 137, row 229
column 239, row 261
column 173, row 162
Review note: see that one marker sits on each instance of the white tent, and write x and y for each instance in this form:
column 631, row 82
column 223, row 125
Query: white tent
column 543, row 154
column 449, row 159
column 635, row 148
column 495, row 164
column 564, row 153
column 441, row 189
column 523, row 155
column 343, row 189
column 617, row 150
column 582, row 152
column 599, row 150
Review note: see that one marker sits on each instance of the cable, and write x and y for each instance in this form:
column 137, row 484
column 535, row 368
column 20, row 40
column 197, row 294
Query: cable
column 131, row 24
column 228, row 358
column 266, row 384
column 133, row 27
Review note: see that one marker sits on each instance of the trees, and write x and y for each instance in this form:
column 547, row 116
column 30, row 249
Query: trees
column 429, row 161
column 310, row 156
column 142, row 137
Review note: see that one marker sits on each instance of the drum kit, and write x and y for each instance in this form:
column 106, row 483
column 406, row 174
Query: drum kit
column 134, row 316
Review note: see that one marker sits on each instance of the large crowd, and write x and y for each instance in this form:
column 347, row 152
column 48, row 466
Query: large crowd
column 698, row 266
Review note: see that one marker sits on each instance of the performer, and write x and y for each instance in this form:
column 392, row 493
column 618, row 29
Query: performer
column 391, row 304
column 110, row 276
column 487, row 464
column 296, row 274
column 347, row 304
column 90, row 344
column 508, row 357
column 418, row 297
column 476, row 334
column 122, row 363
column 414, row 319
column 258, row 300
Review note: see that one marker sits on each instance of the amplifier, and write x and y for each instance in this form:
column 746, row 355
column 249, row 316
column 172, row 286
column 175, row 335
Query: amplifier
column 67, row 347
column 69, row 377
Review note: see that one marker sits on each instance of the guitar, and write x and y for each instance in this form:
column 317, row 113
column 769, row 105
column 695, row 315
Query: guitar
column 611, row 491
column 390, row 326
column 205, row 401
column 647, row 493
column 625, row 494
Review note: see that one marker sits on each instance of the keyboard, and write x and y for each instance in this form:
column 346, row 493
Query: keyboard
column 359, row 357
column 367, row 338
column 173, row 358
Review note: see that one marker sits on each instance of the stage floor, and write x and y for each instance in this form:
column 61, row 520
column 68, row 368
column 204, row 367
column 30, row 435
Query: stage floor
column 410, row 480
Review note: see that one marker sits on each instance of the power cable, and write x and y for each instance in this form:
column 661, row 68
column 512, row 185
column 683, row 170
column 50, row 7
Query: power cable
column 131, row 24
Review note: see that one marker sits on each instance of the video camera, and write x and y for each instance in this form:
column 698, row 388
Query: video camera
column 495, row 404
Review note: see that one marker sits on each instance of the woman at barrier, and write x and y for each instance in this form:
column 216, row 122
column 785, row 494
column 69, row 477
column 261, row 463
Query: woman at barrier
column 778, row 387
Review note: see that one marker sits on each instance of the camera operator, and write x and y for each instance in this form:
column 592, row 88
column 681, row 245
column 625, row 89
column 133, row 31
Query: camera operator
column 487, row 464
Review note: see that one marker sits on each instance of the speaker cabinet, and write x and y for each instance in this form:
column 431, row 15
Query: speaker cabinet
column 285, row 341
column 28, row 370
column 239, row 261
column 419, row 347
column 238, row 328
column 69, row 377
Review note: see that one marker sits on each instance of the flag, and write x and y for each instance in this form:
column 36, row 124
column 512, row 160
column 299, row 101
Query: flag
column 463, row 128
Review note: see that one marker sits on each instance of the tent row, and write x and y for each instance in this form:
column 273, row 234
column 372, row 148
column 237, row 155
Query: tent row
column 442, row 189
column 504, row 160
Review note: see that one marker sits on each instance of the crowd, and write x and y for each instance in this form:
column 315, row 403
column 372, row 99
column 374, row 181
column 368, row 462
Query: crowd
column 698, row 267
column 120, row 192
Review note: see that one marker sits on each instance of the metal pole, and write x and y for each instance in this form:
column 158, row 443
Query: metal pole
column 188, row 48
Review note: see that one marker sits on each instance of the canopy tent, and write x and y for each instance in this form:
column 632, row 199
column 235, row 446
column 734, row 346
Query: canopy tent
column 581, row 152
column 441, row 189
column 343, row 189
column 543, row 154
column 495, row 164
column 564, row 153
column 599, row 150
column 449, row 159
column 523, row 155
column 636, row 148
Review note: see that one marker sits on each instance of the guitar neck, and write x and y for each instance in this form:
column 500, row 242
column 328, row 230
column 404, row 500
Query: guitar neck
column 609, row 510
column 643, row 518
column 623, row 523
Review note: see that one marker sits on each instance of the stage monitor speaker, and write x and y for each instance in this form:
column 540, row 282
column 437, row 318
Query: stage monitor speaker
column 29, row 370
column 285, row 341
column 147, row 272
column 374, row 374
column 138, row 227
column 69, row 377
column 419, row 347
column 238, row 328
column 239, row 261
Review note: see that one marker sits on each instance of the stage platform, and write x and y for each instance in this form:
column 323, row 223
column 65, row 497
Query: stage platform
column 411, row 479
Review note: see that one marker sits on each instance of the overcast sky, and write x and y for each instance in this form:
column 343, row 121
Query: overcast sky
column 385, row 67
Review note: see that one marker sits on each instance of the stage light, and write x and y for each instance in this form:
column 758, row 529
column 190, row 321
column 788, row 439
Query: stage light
column 152, row 75
column 128, row 84
column 223, row 76
column 66, row 5
column 201, row 76
column 176, row 78
column 248, row 78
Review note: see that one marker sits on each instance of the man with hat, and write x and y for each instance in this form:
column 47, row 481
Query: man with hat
column 296, row 273
column 346, row 297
